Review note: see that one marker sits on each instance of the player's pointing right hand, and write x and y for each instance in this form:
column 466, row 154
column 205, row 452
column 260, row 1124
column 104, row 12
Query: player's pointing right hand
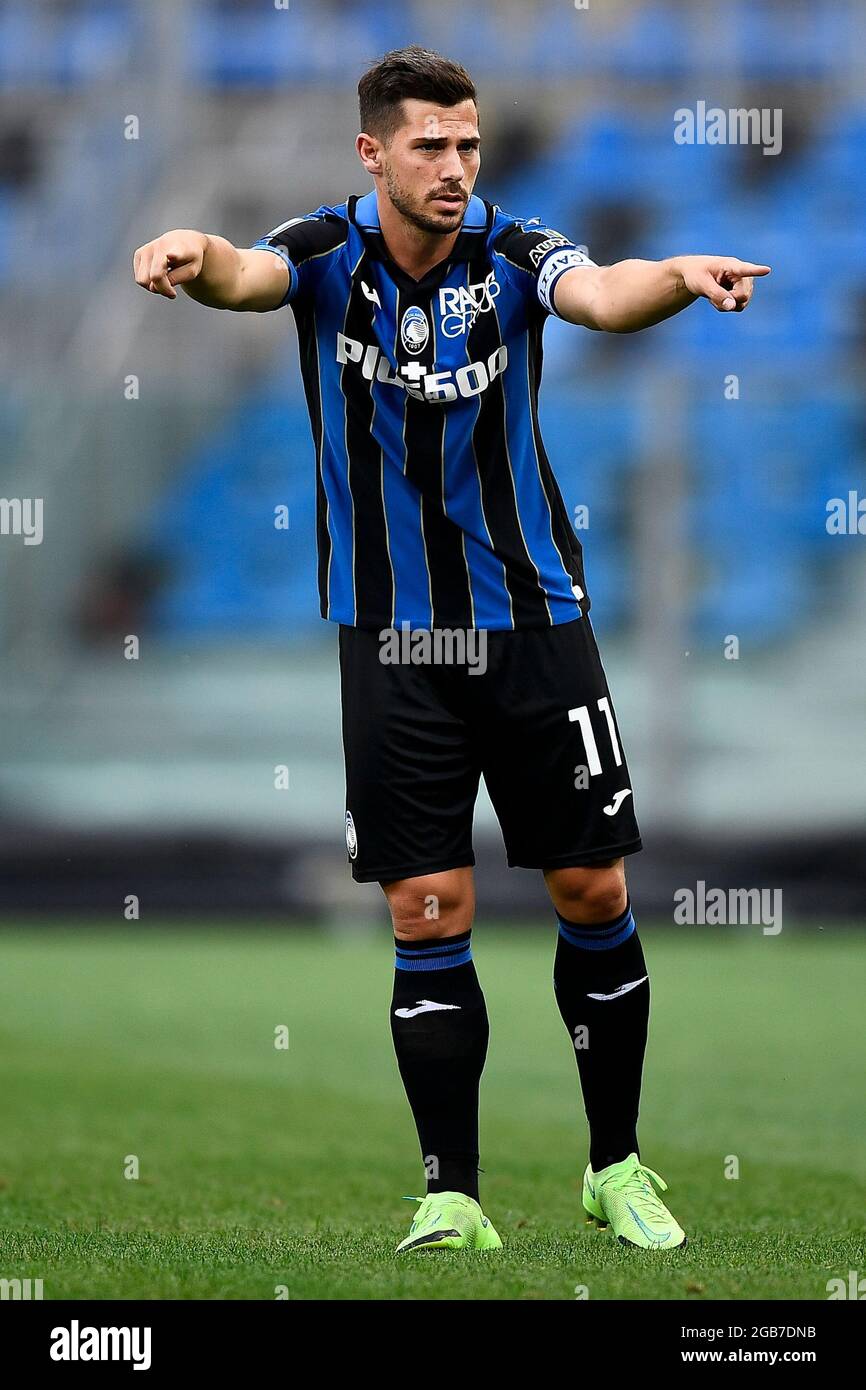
column 172, row 259
column 211, row 271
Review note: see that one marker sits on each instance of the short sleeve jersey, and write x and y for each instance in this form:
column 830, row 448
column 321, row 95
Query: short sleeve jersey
column 436, row 503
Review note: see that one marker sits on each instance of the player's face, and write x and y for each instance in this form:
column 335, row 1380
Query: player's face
column 430, row 167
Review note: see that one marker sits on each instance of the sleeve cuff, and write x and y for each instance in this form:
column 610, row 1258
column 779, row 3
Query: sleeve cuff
column 284, row 257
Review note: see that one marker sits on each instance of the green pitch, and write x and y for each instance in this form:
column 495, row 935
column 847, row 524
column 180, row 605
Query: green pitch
column 262, row 1167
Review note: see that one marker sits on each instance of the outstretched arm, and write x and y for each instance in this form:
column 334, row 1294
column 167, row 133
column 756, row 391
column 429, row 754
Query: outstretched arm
column 212, row 271
column 630, row 295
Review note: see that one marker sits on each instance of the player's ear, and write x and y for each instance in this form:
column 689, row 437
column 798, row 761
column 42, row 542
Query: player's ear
column 369, row 153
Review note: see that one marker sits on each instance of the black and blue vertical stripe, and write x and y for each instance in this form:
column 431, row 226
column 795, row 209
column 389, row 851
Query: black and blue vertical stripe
column 432, row 512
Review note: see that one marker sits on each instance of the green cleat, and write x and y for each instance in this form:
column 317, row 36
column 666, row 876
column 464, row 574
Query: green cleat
column 622, row 1196
column 449, row 1221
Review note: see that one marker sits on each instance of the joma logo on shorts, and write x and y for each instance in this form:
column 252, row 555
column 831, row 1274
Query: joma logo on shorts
column 414, row 377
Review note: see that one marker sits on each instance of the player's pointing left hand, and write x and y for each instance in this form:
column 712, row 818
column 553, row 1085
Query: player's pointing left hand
column 725, row 281
column 634, row 294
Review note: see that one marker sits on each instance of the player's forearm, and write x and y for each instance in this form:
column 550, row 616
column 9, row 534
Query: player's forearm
column 219, row 282
column 212, row 271
column 636, row 294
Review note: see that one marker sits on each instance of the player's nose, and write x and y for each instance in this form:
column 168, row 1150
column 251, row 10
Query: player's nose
column 451, row 169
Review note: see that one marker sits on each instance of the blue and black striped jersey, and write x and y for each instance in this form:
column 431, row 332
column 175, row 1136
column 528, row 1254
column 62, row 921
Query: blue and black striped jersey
column 436, row 503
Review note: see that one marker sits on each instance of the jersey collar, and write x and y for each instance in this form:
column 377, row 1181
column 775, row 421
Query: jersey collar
column 477, row 219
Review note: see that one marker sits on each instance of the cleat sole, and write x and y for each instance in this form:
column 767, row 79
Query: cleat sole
column 632, row 1245
column 434, row 1240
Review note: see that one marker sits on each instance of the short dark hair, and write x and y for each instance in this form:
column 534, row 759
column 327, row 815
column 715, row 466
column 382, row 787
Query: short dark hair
column 409, row 72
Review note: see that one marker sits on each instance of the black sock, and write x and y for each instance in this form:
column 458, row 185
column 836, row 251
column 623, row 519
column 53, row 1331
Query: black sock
column 609, row 1035
column 441, row 1053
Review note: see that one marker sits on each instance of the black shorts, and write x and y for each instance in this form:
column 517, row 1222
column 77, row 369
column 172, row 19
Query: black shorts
column 538, row 723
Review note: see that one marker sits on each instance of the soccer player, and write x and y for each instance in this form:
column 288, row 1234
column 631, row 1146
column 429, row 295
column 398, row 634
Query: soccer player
column 420, row 309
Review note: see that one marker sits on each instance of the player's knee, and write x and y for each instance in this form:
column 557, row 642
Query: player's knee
column 596, row 894
column 435, row 905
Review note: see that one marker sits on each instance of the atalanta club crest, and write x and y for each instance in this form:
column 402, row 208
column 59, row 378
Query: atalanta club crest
column 414, row 330
column 351, row 836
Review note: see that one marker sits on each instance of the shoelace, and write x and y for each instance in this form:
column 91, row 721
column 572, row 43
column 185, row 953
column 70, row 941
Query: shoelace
column 640, row 1181
column 429, row 1199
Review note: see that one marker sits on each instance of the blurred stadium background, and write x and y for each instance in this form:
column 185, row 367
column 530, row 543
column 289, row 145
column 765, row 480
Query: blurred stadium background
column 161, row 437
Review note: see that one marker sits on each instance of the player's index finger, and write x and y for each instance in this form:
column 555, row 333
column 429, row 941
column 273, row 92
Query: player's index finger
column 159, row 267
column 746, row 268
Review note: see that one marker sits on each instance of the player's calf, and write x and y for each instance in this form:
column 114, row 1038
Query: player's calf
column 439, row 1023
column 602, row 989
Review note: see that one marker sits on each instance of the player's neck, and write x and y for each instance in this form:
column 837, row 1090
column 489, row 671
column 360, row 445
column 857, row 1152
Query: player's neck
column 413, row 249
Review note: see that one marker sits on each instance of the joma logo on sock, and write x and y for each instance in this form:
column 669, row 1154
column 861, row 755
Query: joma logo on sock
column 702, row 906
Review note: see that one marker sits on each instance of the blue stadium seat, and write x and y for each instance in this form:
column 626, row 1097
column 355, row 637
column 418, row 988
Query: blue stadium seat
column 230, row 569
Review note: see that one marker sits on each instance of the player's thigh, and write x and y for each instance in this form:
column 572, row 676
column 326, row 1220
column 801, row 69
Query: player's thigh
column 553, row 757
column 412, row 770
column 432, row 905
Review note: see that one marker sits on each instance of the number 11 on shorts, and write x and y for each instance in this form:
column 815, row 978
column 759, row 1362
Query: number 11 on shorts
column 580, row 716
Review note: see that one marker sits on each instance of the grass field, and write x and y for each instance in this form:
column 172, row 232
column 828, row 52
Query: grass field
column 261, row 1167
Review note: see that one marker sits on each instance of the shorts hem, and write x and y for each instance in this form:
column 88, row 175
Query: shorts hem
column 578, row 860
column 460, row 861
